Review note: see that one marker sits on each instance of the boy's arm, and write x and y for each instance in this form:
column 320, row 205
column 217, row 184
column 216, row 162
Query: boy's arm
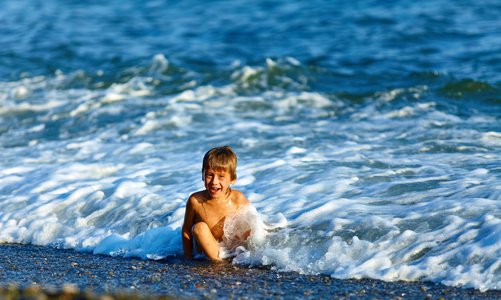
column 243, row 202
column 187, row 236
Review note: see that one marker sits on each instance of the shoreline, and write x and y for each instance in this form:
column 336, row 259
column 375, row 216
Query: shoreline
column 34, row 271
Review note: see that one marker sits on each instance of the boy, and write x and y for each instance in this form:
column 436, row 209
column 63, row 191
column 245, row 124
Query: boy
column 206, row 210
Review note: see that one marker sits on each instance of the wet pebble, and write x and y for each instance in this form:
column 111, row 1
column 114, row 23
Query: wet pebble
column 87, row 276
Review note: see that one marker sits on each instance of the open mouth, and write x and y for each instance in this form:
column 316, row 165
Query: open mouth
column 214, row 190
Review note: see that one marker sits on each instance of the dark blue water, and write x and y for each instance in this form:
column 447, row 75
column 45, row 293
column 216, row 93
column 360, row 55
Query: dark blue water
column 348, row 46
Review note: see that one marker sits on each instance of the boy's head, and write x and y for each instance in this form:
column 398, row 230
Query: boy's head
column 221, row 159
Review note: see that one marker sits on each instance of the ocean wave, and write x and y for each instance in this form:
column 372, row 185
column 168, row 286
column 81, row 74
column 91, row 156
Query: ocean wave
column 397, row 183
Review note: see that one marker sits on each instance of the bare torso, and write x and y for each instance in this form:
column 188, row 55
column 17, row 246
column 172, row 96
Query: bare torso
column 214, row 211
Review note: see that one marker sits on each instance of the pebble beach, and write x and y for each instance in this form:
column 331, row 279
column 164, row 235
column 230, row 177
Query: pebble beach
column 33, row 272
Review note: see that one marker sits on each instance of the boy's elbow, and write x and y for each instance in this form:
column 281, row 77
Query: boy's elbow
column 186, row 232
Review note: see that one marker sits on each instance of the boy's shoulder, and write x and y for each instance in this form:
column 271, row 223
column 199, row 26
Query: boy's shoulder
column 237, row 193
column 239, row 197
column 198, row 194
column 198, row 197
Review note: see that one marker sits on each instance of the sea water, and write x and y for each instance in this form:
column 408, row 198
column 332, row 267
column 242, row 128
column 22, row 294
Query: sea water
column 368, row 134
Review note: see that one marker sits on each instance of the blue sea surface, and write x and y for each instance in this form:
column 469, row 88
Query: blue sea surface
column 368, row 132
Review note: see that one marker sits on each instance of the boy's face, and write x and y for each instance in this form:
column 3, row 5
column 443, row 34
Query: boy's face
column 217, row 182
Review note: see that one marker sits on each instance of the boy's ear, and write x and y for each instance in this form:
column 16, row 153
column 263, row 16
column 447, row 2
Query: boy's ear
column 234, row 180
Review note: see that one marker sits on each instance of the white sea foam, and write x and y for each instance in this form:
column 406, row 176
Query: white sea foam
column 377, row 189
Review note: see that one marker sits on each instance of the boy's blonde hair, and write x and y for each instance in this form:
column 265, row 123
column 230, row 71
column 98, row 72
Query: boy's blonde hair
column 221, row 158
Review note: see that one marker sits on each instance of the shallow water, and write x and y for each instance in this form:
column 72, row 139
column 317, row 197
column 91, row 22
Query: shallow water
column 368, row 135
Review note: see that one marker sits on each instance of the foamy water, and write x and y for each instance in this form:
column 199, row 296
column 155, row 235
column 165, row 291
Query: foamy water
column 390, row 188
column 378, row 159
